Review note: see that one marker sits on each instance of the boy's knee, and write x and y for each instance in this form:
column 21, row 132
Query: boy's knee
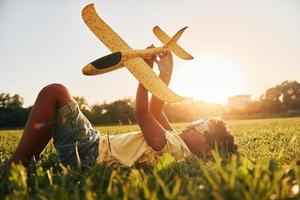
column 57, row 91
column 54, row 88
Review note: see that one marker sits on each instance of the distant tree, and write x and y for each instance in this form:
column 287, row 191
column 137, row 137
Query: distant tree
column 16, row 101
column 4, row 99
column 12, row 113
column 97, row 114
column 83, row 105
column 7, row 101
column 290, row 91
column 282, row 97
column 120, row 111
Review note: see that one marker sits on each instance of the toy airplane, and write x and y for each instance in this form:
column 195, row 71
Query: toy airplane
column 123, row 55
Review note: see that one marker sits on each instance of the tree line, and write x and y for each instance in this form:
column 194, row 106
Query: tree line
column 12, row 113
column 280, row 100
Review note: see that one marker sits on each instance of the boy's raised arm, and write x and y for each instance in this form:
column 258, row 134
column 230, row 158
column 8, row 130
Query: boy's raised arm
column 152, row 130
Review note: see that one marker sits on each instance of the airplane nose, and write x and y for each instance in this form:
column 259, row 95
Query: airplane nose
column 88, row 69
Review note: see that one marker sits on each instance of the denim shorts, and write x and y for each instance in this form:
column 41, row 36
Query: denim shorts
column 74, row 138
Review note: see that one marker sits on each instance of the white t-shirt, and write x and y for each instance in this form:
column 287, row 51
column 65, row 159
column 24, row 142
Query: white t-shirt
column 130, row 148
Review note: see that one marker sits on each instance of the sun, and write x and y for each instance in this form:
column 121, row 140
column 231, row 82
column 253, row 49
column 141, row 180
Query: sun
column 209, row 78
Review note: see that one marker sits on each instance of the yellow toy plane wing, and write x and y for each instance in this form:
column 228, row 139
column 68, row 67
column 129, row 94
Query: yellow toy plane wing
column 164, row 38
column 140, row 69
column 108, row 36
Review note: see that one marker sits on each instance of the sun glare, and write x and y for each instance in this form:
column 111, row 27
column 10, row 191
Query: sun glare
column 209, row 78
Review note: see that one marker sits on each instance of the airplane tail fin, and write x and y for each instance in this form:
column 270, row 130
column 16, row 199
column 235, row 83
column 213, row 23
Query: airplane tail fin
column 171, row 43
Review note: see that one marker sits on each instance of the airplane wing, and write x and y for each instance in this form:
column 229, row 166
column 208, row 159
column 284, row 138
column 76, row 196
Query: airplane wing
column 164, row 38
column 140, row 69
column 108, row 36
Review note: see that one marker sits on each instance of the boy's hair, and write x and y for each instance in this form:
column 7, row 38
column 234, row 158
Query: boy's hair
column 216, row 134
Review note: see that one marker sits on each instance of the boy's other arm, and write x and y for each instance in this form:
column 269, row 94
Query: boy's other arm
column 165, row 65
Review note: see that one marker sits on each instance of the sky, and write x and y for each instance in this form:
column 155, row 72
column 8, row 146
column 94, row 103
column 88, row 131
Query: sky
column 239, row 46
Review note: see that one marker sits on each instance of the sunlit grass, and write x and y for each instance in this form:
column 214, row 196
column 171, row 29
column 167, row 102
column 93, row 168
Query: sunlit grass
column 267, row 167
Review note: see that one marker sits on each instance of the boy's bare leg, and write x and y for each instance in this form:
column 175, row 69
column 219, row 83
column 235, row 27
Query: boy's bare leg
column 37, row 131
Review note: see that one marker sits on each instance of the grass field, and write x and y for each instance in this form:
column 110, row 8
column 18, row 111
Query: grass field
column 267, row 167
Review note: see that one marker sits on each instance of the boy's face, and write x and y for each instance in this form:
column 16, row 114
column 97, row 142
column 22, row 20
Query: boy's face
column 201, row 146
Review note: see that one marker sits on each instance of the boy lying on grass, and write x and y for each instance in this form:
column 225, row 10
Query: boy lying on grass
column 56, row 115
